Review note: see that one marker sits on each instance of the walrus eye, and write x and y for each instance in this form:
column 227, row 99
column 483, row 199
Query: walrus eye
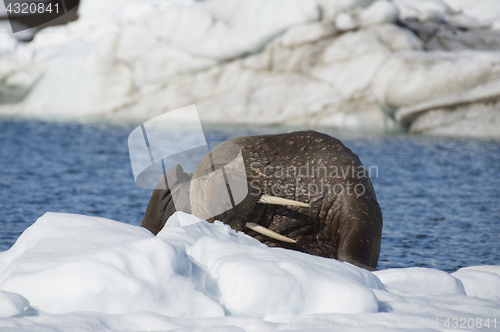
column 266, row 199
column 267, row 232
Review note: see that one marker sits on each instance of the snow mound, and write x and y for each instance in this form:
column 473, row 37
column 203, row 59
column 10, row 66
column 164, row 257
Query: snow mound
column 379, row 12
column 12, row 304
column 481, row 281
column 421, row 280
column 484, row 268
column 275, row 284
column 70, row 272
column 65, row 263
column 484, row 10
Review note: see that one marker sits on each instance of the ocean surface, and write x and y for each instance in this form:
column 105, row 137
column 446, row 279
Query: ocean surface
column 440, row 197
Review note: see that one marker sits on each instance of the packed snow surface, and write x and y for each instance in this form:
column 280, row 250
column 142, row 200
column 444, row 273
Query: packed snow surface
column 328, row 63
column 71, row 272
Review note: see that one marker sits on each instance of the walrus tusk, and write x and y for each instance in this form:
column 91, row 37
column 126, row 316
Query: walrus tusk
column 266, row 199
column 264, row 231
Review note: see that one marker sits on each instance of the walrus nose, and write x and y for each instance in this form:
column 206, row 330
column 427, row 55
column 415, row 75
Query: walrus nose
column 264, row 231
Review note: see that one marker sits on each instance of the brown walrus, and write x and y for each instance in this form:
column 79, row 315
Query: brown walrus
column 308, row 189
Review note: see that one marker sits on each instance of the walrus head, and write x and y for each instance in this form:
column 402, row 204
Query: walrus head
column 220, row 190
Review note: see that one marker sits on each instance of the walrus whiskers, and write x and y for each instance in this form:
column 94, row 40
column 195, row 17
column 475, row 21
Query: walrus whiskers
column 267, row 232
column 266, row 199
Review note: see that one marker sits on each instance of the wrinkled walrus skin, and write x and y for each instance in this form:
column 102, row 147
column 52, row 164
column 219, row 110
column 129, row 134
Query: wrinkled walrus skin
column 345, row 225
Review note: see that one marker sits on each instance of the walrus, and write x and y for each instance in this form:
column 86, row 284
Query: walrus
column 303, row 191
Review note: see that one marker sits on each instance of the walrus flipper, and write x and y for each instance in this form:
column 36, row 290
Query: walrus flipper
column 162, row 206
column 361, row 230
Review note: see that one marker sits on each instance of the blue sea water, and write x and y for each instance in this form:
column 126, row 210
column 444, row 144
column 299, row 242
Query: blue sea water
column 439, row 196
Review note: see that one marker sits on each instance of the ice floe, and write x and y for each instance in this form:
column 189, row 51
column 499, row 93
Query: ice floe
column 69, row 272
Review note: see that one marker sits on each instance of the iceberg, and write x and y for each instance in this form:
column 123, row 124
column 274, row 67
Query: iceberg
column 68, row 272
column 356, row 64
